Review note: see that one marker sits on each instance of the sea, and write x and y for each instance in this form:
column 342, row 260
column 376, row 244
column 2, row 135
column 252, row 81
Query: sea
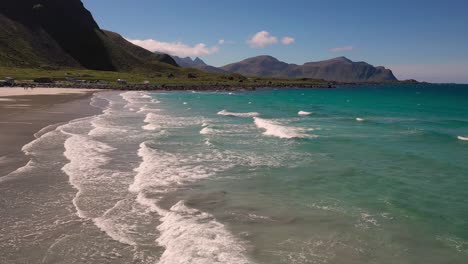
column 356, row 174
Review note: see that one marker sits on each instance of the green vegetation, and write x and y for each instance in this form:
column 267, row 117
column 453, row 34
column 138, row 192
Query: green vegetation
column 180, row 77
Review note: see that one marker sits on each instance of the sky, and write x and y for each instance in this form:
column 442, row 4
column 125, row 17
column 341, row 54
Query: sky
column 422, row 40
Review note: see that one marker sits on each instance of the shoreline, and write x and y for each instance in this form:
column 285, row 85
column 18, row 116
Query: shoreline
column 240, row 86
column 175, row 87
column 23, row 116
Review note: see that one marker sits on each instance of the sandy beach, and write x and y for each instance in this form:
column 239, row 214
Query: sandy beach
column 25, row 112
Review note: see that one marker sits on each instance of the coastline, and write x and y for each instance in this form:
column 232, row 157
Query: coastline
column 207, row 86
column 22, row 116
column 180, row 87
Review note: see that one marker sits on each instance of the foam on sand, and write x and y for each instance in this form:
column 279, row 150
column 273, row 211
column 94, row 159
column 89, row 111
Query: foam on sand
column 462, row 138
column 41, row 91
column 86, row 157
column 227, row 113
column 304, row 113
column 275, row 129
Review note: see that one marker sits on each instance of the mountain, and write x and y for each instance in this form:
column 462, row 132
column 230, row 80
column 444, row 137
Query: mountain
column 188, row 62
column 58, row 33
column 338, row 69
column 197, row 63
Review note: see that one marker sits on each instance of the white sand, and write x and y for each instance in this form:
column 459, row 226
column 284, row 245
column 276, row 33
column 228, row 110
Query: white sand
column 41, row 91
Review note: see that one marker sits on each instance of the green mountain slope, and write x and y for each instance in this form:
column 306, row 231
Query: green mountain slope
column 57, row 33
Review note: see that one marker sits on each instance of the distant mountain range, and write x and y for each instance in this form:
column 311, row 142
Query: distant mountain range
column 58, row 33
column 339, row 69
column 197, row 63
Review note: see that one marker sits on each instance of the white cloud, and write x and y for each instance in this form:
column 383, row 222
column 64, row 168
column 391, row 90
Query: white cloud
column 221, row 42
column 262, row 39
column 175, row 48
column 288, row 40
column 342, row 49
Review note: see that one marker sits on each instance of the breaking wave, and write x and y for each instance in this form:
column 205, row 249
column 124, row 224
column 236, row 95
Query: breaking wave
column 275, row 129
column 227, row 113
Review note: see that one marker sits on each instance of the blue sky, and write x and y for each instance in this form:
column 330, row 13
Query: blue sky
column 425, row 40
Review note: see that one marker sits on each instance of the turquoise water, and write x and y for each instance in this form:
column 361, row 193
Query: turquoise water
column 347, row 175
column 391, row 188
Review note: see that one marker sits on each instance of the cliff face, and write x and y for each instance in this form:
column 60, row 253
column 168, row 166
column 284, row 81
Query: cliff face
column 337, row 69
column 60, row 33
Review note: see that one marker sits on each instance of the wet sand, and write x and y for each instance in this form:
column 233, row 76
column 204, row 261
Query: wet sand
column 38, row 220
column 21, row 116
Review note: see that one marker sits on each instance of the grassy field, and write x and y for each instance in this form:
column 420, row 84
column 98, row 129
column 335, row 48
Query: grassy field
column 180, row 77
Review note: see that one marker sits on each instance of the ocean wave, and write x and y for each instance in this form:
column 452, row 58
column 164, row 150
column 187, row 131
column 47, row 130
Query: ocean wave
column 227, row 113
column 29, row 167
column 192, row 236
column 462, row 138
column 161, row 170
column 147, row 108
column 360, row 119
column 207, row 131
column 188, row 235
column 136, row 99
column 152, row 122
column 277, row 130
column 86, row 156
column 304, row 113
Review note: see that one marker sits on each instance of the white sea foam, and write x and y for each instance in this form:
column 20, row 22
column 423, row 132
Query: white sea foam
column 462, row 138
column 188, row 235
column 227, row 113
column 360, row 119
column 45, row 130
column 192, row 236
column 136, row 99
column 277, row 130
column 152, row 120
column 112, row 227
column 207, row 131
column 132, row 97
column 303, row 113
column 86, row 156
column 208, row 143
column 161, row 170
column 146, row 109
column 20, row 171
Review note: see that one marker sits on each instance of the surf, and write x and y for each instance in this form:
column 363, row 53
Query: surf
column 248, row 114
column 278, row 130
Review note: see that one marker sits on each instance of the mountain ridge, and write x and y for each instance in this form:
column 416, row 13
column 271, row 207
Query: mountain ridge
column 339, row 69
column 197, row 63
column 56, row 33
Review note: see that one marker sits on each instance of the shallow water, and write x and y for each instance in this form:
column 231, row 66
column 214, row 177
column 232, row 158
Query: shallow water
column 347, row 175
